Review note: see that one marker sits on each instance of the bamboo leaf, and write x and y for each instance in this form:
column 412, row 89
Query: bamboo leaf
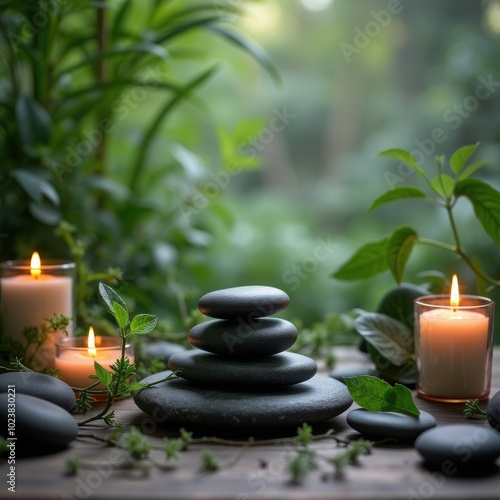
column 398, row 193
column 398, row 249
column 252, row 48
column 461, row 156
column 368, row 261
column 375, row 394
column 486, row 203
column 33, row 121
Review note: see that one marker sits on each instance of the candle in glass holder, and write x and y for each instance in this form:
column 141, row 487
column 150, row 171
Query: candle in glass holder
column 453, row 344
column 31, row 292
column 75, row 357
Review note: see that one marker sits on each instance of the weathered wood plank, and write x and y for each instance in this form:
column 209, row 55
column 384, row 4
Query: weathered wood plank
column 390, row 472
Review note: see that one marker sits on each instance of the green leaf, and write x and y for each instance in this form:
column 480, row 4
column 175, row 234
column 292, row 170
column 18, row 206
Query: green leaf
column 375, row 394
column 398, row 249
column 404, row 156
column 143, row 323
column 472, row 168
column 391, row 338
column 443, row 185
column 33, row 121
column 460, row 157
column 397, row 193
column 368, row 261
column 102, row 374
column 252, row 48
column 121, row 314
column 35, row 186
column 486, row 203
column 109, row 296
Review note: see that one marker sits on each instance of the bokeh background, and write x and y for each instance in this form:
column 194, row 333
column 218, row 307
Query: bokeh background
column 253, row 181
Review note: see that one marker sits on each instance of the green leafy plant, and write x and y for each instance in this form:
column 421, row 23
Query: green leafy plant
column 117, row 383
column 375, row 394
column 444, row 190
column 473, row 410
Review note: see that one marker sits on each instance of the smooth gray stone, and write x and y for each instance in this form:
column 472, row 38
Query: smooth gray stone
column 382, row 425
column 41, row 386
column 181, row 402
column 351, row 371
column 261, row 337
column 282, row 369
column 162, row 349
column 464, row 446
column 244, row 302
column 493, row 411
column 37, row 422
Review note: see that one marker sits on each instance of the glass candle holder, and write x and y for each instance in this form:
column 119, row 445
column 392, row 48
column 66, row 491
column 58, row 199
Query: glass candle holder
column 453, row 347
column 75, row 360
column 29, row 295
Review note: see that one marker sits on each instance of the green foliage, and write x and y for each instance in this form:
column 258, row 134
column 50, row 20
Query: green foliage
column 375, row 394
column 473, row 410
column 208, row 462
column 445, row 190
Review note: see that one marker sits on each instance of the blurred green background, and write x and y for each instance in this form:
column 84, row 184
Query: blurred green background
column 247, row 181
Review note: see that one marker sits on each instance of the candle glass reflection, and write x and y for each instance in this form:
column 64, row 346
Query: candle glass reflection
column 453, row 347
column 75, row 360
column 28, row 296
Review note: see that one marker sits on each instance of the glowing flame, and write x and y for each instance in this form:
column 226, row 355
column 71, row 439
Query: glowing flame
column 91, row 343
column 454, row 296
column 36, row 265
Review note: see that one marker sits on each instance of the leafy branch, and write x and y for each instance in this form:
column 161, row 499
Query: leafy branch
column 444, row 190
column 117, row 383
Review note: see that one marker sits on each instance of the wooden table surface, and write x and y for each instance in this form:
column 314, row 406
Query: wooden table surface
column 257, row 471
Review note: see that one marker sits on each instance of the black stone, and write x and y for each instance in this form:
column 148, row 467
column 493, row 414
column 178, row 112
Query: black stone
column 37, row 422
column 352, row 371
column 161, row 349
column 383, row 425
column 493, row 411
column 261, row 337
column 278, row 370
column 243, row 302
column 41, row 386
column 180, row 402
column 461, row 446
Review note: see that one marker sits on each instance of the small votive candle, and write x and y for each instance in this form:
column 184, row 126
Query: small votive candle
column 75, row 357
column 453, row 346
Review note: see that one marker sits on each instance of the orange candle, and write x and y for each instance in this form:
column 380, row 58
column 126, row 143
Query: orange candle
column 75, row 357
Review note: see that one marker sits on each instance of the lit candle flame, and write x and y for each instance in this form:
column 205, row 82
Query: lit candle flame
column 91, row 343
column 454, row 296
column 36, row 265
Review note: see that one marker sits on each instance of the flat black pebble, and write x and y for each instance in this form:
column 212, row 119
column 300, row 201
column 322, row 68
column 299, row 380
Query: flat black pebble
column 243, row 302
column 37, row 422
column 261, row 337
column 282, row 369
column 387, row 424
column 463, row 446
column 41, row 386
column 181, row 402
column 493, row 411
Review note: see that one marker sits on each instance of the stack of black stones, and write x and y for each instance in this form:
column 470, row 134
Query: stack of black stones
column 240, row 373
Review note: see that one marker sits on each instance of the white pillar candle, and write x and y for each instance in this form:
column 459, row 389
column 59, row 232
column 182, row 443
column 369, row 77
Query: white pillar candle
column 30, row 297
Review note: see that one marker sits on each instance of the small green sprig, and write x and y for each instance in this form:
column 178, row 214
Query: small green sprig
column 208, row 462
column 472, row 409
column 350, row 456
column 117, row 382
